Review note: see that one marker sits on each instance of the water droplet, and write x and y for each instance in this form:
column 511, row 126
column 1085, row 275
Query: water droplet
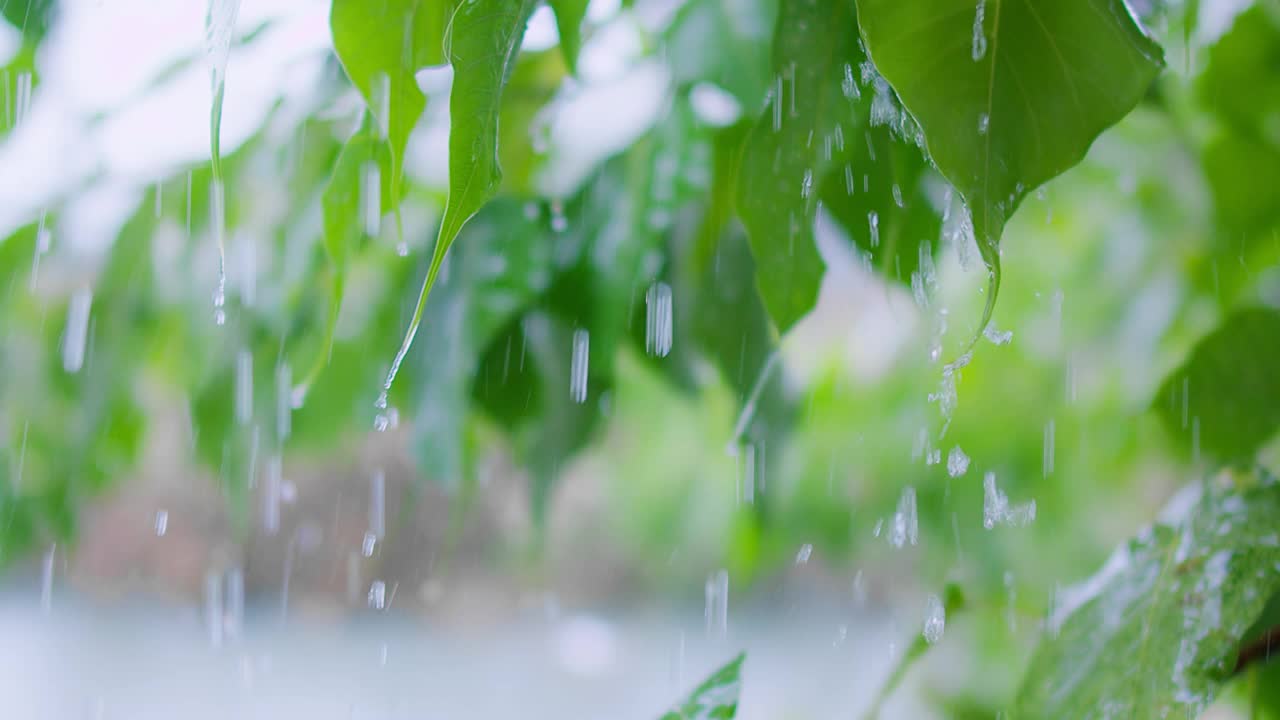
column 905, row 528
column 957, row 462
column 806, row 184
column 579, row 365
column 658, row 320
column 897, row 196
column 996, row 508
column 716, row 611
column 979, row 32
column 378, row 595
column 366, row 547
column 998, row 337
column 984, row 123
column 75, row 336
column 802, row 557
column 162, row 522
column 849, row 86
column 873, row 222
column 935, row 619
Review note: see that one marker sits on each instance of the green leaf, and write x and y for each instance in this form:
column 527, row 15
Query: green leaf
column 381, row 44
column 1240, row 83
column 484, row 39
column 349, row 215
column 725, row 42
column 1244, row 179
column 1009, row 93
column 883, row 196
column 716, row 698
column 569, row 15
column 1155, row 633
column 503, row 262
column 790, row 149
column 1226, row 396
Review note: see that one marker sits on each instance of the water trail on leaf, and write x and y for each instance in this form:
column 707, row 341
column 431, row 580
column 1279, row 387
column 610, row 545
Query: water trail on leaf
column 219, row 24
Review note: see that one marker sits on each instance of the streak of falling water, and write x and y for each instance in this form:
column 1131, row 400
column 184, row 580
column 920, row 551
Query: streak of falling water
column 162, row 522
column 44, row 240
column 873, row 222
column 749, row 407
column 371, row 198
column 905, row 528
column 213, row 617
column 1048, row 447
column 935, row 619
column 378, row 504
column 717, row 604
column 234, row 620
column 218, row 217
column 46, row 579
column 378, row 595
column 244, row 387
column 658, row 314
column 76, row 334
column 271, row 496
column 578, row 366
column 984, row 123
column 284, row 401
column 806, row 551
column 979, row 32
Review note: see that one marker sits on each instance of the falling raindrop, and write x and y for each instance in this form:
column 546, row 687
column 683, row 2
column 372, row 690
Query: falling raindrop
column 378, row 504
column 979, row 32
column 873, row 222
column 984, row 123
column 46, row 579
column 658, row 316
column 957, row 462
column 162, row 522
column 578, row 366
column 558, row 221
column 905, row 528
column 378, row 595
column 849, row 86
column 76, row 334
column 998, row 337
column 716, row 611
column 1048, row 447
column 806, row 184
column 935, row 619
column 802, row 557
column 244, row 387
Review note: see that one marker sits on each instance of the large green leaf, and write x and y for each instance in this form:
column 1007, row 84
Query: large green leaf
column 1009, row 93
column 1157, row 630
column 716, row 698
column 791, row 147
column 1226, row 396
column 1240, row 83
column 484, row 39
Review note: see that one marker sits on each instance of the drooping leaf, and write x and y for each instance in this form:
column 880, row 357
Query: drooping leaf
column 352, row 206
column 503, row 262
column 381, row 44
column 569, row 16
column 791, row 147
column 1226, row 396
column 1156, row 632
column 483, row 41
column 716, row 698
column 1009, row 93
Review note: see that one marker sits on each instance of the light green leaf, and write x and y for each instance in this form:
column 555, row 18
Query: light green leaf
column 716, row 698
column 1009, row 93
column 1156, row 632
column 791, row 147
column 381, row 44
column 569, row 15
column 483, row 42
column 1226, row 396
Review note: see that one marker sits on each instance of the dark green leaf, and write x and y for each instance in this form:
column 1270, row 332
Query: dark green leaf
column 716, row 698
column 1244, row 179
column 569, row 15
column 1009, row 93
column 1156, row 632
column 791, row 146
column 1226, row 396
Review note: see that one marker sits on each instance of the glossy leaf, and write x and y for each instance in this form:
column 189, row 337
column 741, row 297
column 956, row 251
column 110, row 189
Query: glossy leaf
column 1156, row 632
column 1226, row 397
column 716, row 698
column 1009, row 93
column 569, row 16
column 790, row 149
column 484, row 38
